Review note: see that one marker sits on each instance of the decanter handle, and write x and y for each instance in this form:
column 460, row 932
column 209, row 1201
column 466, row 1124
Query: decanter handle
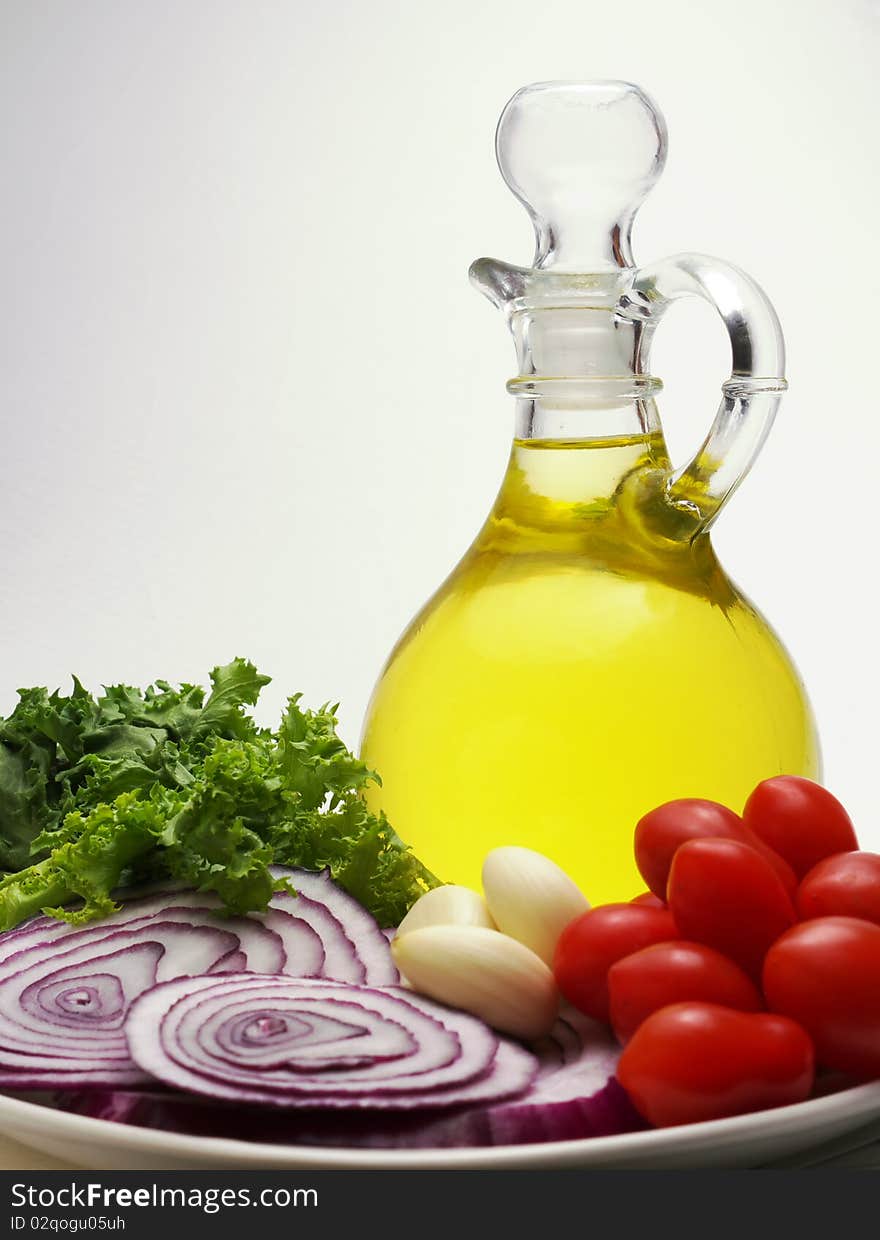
column 750, row 397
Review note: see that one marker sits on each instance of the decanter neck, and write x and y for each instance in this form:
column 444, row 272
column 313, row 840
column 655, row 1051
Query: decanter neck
column 580, row 362
column 585, row 339
column 581, row 413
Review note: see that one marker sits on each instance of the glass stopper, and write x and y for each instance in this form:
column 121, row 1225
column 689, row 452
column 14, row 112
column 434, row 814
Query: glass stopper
column 581, row 156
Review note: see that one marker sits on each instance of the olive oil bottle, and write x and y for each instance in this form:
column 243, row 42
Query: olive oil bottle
column 589, row 658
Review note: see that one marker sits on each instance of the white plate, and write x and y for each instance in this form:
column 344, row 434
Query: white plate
column 744, row 1141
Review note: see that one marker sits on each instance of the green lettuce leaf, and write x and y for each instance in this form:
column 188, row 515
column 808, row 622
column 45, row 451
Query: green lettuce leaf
column 98, row 794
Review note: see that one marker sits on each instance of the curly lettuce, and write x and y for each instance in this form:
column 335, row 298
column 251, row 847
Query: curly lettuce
column 102, row 794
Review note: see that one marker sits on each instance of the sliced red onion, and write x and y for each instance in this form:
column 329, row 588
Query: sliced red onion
column 64, row 1013
column 574, row 1093
column 295, row 1042
column 260, row 940
column 64, row 990
column 571, row 1098
column 369, row 944
column 355, row 949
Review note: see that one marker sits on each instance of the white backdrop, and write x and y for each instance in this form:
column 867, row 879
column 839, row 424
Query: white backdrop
column 250, row 404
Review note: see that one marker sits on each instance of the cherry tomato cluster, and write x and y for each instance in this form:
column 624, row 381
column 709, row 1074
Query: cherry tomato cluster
column 752, row 960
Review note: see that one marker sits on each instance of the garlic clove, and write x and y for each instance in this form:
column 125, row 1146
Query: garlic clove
column 483, row 972
column 447, row 906
column 530, row 898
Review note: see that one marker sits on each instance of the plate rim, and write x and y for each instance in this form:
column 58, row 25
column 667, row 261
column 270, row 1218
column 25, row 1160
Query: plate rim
column 317, row 1157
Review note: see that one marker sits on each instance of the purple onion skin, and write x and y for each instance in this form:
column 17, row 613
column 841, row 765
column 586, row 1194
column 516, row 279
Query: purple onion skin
column 608, row 1112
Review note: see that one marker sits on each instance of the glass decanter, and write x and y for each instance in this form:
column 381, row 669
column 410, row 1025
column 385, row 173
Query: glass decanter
column 589, row 658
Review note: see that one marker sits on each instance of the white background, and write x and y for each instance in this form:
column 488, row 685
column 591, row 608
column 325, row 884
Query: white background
column 250, row 404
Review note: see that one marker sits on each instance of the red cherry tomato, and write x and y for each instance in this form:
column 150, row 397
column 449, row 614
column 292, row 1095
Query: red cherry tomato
column 590, row 944
column 675, row 972
column 845, row 885
column 825, row 974
column 699, row 1061
column 800, row 820
column 667, row 827
column 648, row 898
column 724, row 894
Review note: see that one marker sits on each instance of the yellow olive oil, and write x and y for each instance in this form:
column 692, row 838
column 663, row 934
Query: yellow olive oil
column 587, row 660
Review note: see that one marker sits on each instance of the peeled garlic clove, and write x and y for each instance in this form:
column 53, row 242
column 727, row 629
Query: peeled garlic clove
column 530, row 898
column 482, row 972
column 447, row 906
